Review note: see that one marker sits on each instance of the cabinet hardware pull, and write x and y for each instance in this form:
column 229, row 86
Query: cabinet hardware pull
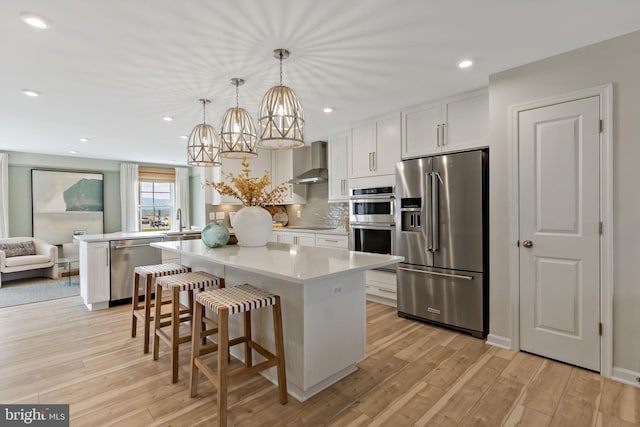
column 438, row 136
column 107, row 257
column 330, row 240
column 391, row 291
column 442, row 132
column 456, row 276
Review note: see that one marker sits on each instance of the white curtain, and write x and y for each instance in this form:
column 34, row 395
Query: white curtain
column 182, row 199
column 4, row 195
column 129, row 218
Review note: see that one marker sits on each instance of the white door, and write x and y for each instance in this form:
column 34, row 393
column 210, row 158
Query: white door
column 559, row 157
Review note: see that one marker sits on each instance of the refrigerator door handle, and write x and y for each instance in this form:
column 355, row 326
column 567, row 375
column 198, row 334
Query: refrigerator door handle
column 428, row 230
column 455, row 276
column 435, row 209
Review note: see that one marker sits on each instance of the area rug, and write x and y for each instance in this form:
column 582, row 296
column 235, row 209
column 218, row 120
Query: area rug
column 25, row 291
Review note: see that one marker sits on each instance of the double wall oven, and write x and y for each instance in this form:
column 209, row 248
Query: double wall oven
column 372, row 220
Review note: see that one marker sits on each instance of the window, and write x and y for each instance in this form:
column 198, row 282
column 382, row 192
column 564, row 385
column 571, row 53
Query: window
column 157, row 188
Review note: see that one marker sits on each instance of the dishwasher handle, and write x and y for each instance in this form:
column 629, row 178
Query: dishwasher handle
column 139, row 245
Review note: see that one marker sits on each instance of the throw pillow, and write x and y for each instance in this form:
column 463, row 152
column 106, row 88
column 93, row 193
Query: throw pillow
column 18, row 249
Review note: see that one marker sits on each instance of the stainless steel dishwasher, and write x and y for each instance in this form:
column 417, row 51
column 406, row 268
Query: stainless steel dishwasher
column 126, row 255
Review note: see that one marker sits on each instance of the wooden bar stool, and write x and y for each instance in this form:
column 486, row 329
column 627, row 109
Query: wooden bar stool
column 142, row 310
column 236, row 299
column 176, row 283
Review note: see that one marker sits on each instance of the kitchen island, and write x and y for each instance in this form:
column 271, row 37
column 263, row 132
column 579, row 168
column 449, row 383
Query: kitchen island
column 322, row 291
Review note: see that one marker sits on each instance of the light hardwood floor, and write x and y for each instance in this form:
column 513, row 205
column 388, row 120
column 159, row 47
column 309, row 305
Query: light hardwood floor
column 414, row 374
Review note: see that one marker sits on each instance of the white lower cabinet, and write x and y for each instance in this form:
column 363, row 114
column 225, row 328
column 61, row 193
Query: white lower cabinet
column 95, row 274
column 332, row 241
column 382, row 287
column 294, row 237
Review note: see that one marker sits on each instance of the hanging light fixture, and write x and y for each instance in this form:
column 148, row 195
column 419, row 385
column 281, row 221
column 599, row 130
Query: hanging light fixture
column 280, row 115
column 203, row 148
column 238, row 135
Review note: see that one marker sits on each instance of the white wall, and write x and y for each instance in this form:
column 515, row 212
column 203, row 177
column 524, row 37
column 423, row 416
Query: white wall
column 617, row 61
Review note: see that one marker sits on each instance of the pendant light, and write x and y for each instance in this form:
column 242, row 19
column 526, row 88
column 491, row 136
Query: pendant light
column 280, row 115
column 237, row 133
column 203, row 148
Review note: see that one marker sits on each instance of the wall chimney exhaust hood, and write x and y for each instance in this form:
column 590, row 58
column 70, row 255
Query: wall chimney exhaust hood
column 318, row 172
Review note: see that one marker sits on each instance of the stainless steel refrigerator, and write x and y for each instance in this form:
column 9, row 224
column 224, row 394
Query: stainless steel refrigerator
column 442, row 232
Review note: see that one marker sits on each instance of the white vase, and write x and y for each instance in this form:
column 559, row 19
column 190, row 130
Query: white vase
column 252, row 226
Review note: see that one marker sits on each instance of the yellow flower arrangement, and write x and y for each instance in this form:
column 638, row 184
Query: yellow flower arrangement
column 251, row 191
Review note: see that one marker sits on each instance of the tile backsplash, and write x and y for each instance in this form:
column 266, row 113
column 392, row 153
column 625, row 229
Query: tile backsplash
column 317, row 212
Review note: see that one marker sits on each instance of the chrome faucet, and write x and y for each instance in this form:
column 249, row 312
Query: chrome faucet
column 179, row 218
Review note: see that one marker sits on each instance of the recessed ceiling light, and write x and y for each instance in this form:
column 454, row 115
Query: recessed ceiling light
column 465, row 63
column 167, row 118
column 35, row 21
column 327, row 110
column 184, row 137
column 73, row 152
column 171, row 161
column 84, row 139
column 31, row 93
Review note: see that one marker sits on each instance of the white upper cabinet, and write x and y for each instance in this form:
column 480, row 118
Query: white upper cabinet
column 285, row 165
column 452, row 124
column 467, row 121
column 258, row 166
column 360, row 150
column 338, row 168
column 420, row 130
column 374, row 148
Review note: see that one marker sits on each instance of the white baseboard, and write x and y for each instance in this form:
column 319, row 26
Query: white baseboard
column 498, row 341
column 626, row 376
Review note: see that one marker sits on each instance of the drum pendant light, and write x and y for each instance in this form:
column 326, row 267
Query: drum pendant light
column 280, row 116
column 238, row 135
column 203, row 148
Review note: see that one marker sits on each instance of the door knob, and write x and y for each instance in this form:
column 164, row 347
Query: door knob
column 527, row 243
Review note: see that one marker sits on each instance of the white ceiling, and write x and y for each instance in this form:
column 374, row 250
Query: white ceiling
column 110, row 70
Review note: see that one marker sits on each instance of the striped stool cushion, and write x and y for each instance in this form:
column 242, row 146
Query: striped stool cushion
column 237, row 299
column 158, row 270
column 189, row 281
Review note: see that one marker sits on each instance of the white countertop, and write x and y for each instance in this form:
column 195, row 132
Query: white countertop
column 120, row 235
column 295, row 263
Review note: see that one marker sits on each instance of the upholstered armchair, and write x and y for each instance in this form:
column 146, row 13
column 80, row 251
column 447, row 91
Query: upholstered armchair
column 27, row 253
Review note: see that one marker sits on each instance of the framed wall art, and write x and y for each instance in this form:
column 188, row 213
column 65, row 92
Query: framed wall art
column 66, row 203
